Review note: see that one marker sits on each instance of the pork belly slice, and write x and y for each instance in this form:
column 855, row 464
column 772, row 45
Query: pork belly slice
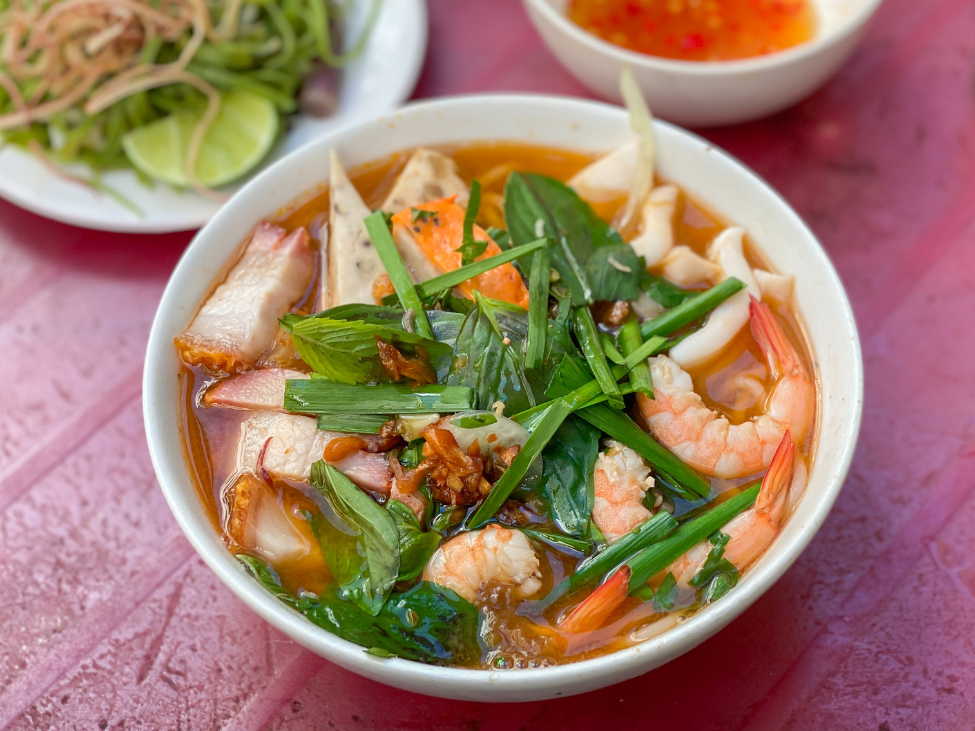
column 258, row 522
column 240, row 320
column 296, row 443
column 428, row 176
column 260, row 390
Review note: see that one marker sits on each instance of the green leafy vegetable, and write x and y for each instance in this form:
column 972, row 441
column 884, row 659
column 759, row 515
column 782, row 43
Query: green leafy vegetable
column 445, row 325
column 588, row 336
column 718, row 575
column 319, row 396
column 412, row 454
column 664, row 292
column 569, row 462
column 666, row 594
column 691, row 309
column 589, row 256
column 382, row 239
column 432, row 287
column 427, row 623
column 352, row 423
column 447, row 519
column 469, row 248
column 558, row 540
column 537, row 310
column 365, row 557
column 347, row 351
column 415, row 545
column 474, row 421
column 630, row 341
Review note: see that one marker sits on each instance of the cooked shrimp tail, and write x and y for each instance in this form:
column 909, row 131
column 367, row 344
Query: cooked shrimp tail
column 775, row 485
column 780, row 355
column 595, row 610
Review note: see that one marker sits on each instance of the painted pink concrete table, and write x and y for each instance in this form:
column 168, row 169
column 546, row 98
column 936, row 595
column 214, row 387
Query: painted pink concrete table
column 108, row 619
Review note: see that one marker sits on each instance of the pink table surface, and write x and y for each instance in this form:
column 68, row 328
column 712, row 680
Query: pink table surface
column 109, row 620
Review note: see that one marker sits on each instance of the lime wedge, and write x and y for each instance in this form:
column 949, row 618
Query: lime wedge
column 235, row 143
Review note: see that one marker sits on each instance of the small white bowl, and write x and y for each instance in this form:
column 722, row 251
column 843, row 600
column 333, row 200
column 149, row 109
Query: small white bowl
column 728, row 188
column 708, row 93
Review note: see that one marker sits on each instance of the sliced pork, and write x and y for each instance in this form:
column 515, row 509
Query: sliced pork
column 260, row 390
column 240, row 320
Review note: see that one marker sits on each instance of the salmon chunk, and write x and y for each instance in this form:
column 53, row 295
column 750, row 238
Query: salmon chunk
column 240, row 320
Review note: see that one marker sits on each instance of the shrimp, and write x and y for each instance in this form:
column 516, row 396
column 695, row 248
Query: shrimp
column 621, row 479
column 710, row 443
column 749, row 533
column 470, row 560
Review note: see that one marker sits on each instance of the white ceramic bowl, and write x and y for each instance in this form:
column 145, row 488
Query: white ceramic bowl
column 706, row 94
column 728, row 188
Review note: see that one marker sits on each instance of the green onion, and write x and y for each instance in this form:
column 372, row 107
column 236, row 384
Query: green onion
column 469, row 248
column 659, row 556
column 438, row 284
column 558, row 540
column 588, row 336
column 398, row 275
column 625, row 549
column 537, row 308
column 631, row 341
column 320, row 396
column 692, row 309
column 651, row 346
column 609, row 348
column 544, row 431
column 352, row 423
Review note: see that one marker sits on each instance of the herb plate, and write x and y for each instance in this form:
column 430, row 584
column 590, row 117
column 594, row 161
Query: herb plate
column 708, row 174
column 378, row 81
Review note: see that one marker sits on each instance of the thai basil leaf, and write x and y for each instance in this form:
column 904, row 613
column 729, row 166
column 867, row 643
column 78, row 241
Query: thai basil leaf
column 718, row 575
column 578, row 233
column 415, row 546
column 569, row 461
column 363, row 553
column 606, row 271
column 665, row 293
column 496, row 371
column 427, row 623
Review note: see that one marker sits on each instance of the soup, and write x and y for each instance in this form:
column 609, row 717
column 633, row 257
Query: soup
column 446, row 411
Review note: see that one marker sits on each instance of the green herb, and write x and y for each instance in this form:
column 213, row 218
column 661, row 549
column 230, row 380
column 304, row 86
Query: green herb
column 469, row 248
column 412, row 454
column 366, row 566
column 436, row 285
column 382, row 239
column 718, row 575
column 537, row 309
column 657, row 557
column 546, row 428
column 474, row 421
column 651, row 346
column 420, row 215
column 499, row 236
column 568, row 465
column 448, row 519
column 426, row 623
column 588, row 336
column 347, row 351
column 665, row 293
column 319, row 396
column 691, row 309
column 557, row 540
column 591, row 259
column 631, row 341
column 496, row 370
column 415, row 546
column 445, row 325
column 666, row 594
column 609, row 348
column 352, row 423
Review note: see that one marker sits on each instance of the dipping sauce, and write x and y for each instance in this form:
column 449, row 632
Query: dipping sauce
column 698, row 30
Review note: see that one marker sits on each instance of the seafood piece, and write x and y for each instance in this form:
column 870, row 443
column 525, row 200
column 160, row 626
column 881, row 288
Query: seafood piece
column 428, row 176
column 353, row 262
column 258, row 522
column 684, row 267
column 777, row 286
column 467, row 562
column 240, row 320
column 724, row 322
column 610, row 177
column 707, row 441
column 656, row 237
column 260, row 390
column 440, row 235
column 622, row 479
column 750, row 532
column 286, row 445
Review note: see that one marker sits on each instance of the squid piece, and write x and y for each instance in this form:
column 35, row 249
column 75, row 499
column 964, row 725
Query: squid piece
column 261, row 390
column 258, row 522
column 353, row 262
column 610, row 177
column 656, row 237
column 240, row 320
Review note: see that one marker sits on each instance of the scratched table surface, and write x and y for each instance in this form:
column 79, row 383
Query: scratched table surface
column 109, row 620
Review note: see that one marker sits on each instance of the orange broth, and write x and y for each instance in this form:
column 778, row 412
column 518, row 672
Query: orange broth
column 698, row 30
column 521, row 637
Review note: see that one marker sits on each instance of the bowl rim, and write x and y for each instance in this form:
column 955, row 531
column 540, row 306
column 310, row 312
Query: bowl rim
column 447, row 681
column 794, row 54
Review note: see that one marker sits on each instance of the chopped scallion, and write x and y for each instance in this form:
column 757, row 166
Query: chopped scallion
column 320, row 396
column 537, row 309
column 352, row 423
column 450, row 279
column 588, row 337
column 631, row 342
column 692, row 309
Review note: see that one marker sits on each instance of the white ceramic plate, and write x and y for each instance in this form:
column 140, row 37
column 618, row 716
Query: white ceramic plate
column 726, row 186
column 379, row 80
